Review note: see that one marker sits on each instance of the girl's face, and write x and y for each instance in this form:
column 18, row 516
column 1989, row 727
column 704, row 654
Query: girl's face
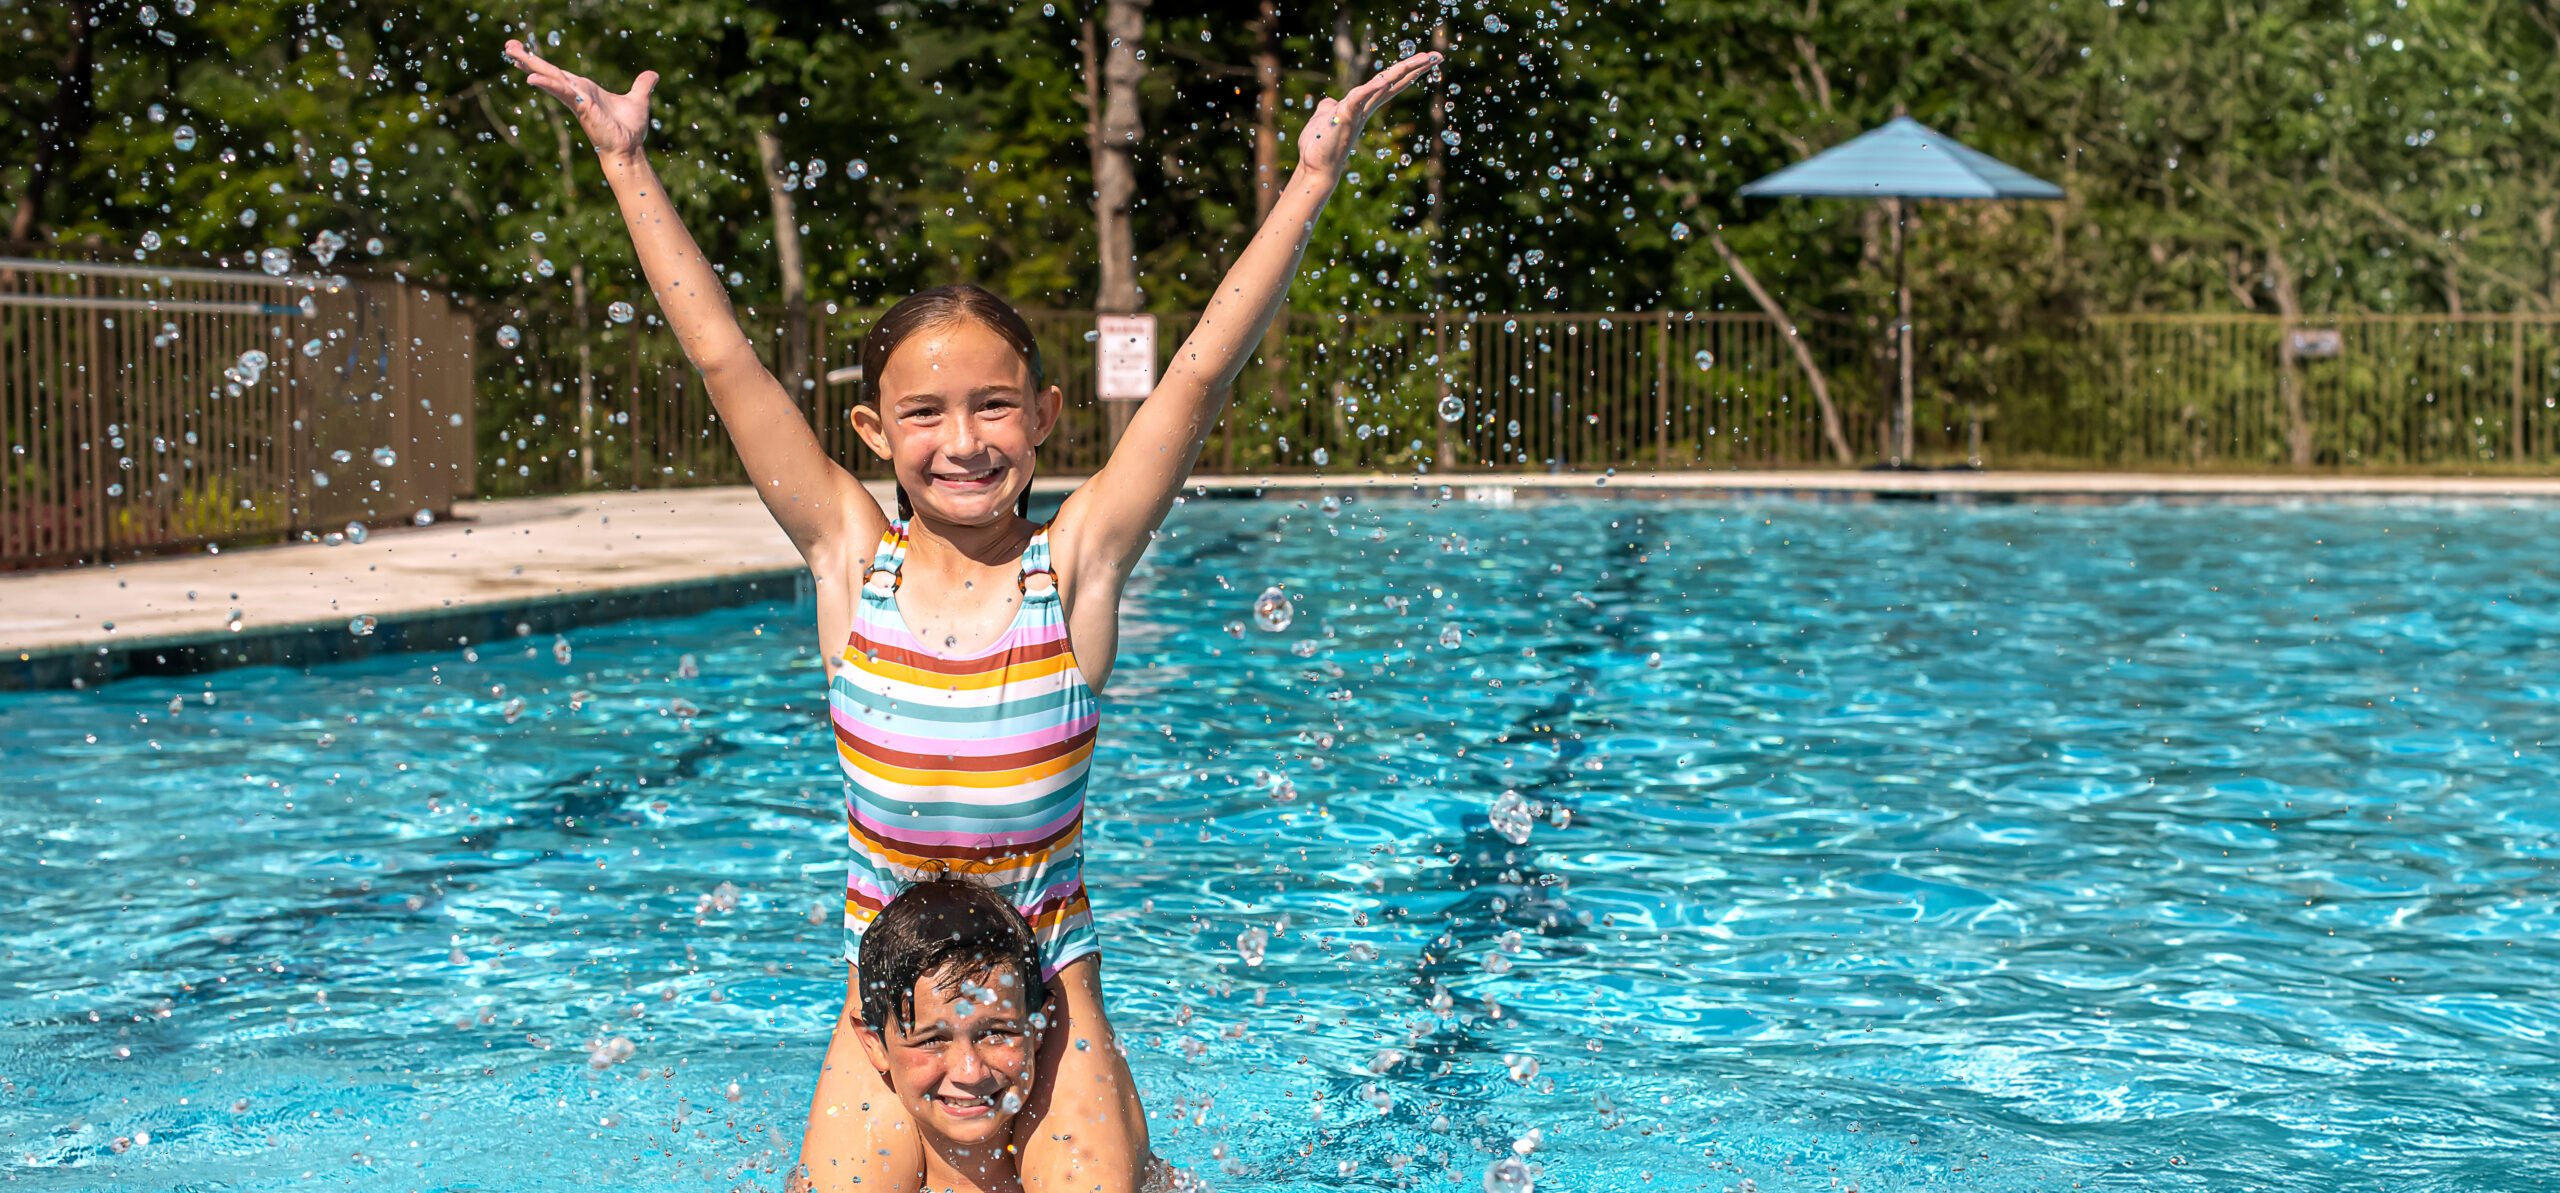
column 959, row 422
column 962, row 1067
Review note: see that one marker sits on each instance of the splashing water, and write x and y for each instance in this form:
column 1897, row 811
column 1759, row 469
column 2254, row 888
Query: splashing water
column 1271, row 610
column 1510, row 816
column 326, row 245
column 276, row 262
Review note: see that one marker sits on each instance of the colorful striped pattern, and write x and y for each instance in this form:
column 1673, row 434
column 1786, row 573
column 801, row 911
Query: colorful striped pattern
column 973, row 765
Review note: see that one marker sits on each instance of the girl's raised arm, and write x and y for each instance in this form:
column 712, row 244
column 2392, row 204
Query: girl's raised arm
column 819, row 504
column 1110, row 518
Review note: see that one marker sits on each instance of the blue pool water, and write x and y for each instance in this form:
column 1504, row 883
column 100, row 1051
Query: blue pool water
column 1876, row 846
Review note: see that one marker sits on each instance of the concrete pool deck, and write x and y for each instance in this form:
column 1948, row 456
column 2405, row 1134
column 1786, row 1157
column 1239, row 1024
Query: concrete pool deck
column 503, row 569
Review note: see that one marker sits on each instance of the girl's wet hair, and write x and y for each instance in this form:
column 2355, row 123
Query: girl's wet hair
column 943, row 306
column 953, row 930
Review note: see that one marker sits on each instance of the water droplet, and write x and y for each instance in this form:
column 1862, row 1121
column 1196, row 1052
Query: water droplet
column 1679, row 231
column 1452, row 637
column 513, row 708
column 619, row 312
column 338, row 167
column 343, row 456
column 184, row 138
column 1449, row 137
column 373, row 246
column 355, row 532
column 1509, row 1174
column 1271, row 610
column 1331, row 506
column 1653, row 659
column 1510, row 817
column 312, row 347
column 686, row 668
column 362, row 625
column 423, row 517
column 1452, row 408
column 109, row 626
column 509, row 337
column 857, row 169
column 1011, row 1102
column 1251, row 945
column 325, row 246
column 1704, row 359
column 276, row 262
column 607, row 1053
column 233, row 624
column 1321, row 457
column 186, row 8
column 1304, row 648
column 560, row 651
column 151, row 240
column 385, row 456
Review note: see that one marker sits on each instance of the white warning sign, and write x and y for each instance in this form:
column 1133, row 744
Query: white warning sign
column 1126, row 361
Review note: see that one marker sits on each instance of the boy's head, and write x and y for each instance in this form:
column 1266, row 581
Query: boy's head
column 956, row 402
column 951, row 983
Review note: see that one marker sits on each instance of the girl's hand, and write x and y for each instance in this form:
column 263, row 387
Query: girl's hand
column 616, row 123
column 1335, row 127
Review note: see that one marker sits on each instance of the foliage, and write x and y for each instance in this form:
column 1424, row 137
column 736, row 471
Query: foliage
column 2330, row 156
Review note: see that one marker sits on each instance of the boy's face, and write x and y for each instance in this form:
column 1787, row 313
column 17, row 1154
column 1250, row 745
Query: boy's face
column 962, row 1066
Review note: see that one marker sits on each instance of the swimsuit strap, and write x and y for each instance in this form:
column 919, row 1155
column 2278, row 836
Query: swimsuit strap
column 1035, row 562
column 889, row 558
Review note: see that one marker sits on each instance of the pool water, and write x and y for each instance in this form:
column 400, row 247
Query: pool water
column 1732, row 845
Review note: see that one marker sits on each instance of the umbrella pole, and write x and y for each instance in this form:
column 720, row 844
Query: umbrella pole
column 1902, row 334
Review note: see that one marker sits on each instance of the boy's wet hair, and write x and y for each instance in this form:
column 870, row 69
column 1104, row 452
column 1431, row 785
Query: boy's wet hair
column 943, row 306
column 951, row 927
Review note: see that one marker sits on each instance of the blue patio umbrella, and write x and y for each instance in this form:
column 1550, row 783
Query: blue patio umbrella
column 1903, row 160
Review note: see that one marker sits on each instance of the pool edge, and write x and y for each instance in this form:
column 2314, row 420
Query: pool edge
column 314, row 643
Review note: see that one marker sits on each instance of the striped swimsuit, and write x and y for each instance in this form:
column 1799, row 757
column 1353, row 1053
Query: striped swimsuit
column 971, row 765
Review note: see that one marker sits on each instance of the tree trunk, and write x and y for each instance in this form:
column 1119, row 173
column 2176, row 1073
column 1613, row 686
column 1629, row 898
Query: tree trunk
column 1266, row 110
column 66, row 122
column 578, row 311
column 1266, row 187
column 2289, row 378
column 1348, row 62
column 1433, row 169
column 1115, row 181
column 794, row 362
column 1831, row 432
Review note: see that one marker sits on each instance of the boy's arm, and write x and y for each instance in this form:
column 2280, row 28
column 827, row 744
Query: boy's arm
column 819, row 504
column 1111, row 518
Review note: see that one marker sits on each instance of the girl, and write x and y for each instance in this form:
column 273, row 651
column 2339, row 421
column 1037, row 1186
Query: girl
column 965, row 642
